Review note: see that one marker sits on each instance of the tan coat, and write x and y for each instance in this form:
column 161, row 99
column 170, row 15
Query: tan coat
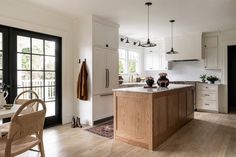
column 82, row 88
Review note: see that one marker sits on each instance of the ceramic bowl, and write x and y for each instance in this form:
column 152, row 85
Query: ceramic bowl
column 8, row 107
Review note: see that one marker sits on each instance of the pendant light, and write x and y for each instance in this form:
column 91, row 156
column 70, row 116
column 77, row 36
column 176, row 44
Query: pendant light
column 172, row 40
column 148, row 43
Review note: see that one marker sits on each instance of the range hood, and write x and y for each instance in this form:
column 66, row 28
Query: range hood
column 187, row 60
column 188, row 46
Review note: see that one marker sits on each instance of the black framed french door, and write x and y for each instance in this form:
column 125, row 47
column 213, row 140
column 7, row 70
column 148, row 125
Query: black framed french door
column 34, row 62
column 4, row 56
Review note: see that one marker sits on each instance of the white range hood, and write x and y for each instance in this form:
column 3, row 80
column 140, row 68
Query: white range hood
column 188, row 46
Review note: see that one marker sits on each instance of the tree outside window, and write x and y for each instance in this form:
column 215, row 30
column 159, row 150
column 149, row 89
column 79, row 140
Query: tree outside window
column 128, row 61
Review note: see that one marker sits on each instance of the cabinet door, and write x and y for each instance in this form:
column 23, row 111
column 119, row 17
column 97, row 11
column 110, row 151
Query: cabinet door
column 98, row 34
column 112, row 37
column 157, row 61
column 211, row 52
column 105, row 36
column 148, row 61
column 112, row 66
column 211, row 61
column 99, row 73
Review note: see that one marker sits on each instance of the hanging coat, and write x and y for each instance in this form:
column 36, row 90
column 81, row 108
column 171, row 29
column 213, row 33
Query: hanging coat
column 82, row 88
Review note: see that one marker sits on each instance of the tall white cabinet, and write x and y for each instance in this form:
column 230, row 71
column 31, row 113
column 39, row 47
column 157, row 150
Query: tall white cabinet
column 98, row 42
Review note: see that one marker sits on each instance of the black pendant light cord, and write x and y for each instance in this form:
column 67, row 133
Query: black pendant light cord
column 172, row 39
column 172, row 35
column 148, row 21
column 148, row 43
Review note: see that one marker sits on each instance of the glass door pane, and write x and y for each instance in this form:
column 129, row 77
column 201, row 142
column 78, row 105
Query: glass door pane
column 36, row 69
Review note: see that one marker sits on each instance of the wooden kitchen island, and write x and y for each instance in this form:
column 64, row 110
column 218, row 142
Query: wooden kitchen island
column 146, row 117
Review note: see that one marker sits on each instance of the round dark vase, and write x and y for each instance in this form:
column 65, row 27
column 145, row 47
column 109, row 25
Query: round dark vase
column 163, row 81
column 212, row 82
column 150, row 82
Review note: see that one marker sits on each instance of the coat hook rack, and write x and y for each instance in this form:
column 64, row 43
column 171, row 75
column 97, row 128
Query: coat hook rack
column 80, row 60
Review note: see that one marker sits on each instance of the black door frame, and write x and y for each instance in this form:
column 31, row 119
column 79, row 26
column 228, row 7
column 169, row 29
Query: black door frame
column 229, row 89
column 10, row 63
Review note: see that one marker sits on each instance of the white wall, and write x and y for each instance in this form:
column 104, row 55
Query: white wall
column 82, row 31
column 186, row 71
column 24, row 16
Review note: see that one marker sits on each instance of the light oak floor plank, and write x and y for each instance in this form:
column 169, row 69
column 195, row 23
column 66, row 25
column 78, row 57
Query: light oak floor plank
column 208, row 135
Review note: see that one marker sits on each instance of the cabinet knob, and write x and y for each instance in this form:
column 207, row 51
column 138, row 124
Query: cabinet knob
column 107, row 45
column 207, row 104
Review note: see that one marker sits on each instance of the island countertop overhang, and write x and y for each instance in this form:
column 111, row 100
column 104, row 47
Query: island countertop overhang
column 152, row 90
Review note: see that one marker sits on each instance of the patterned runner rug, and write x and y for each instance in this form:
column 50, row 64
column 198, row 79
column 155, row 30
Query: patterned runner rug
column 104, row 129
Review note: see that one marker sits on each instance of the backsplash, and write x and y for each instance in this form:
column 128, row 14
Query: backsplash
column 185, row 71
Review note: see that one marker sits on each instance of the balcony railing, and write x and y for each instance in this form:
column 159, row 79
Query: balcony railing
column 38, row 87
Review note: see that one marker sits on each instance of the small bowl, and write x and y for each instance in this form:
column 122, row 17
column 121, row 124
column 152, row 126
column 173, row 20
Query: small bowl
column 8, row 107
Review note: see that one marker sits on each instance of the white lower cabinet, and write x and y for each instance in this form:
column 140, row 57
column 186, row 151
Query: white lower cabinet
column 208, row 97
column 103, row 106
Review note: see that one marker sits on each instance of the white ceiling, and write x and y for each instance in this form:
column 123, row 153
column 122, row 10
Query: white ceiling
column 190, row 15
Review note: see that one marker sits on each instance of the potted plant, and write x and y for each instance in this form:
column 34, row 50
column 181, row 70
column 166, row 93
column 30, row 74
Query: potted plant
column 203, row 78
column 212, row 79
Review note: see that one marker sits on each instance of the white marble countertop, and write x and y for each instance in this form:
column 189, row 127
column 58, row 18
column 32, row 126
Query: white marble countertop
column 151, row 90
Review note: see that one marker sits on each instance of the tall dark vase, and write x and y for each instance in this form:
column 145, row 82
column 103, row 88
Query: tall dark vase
column 163, row 81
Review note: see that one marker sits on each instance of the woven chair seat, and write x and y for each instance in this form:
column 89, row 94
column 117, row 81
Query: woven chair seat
column 4, row 128
column 19, row 146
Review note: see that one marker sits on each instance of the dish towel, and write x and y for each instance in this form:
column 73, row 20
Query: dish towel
column 82, row 88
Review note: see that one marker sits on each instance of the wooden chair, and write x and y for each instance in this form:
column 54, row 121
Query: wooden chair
column 4, row 128
column 19, row 100
column 26, row 131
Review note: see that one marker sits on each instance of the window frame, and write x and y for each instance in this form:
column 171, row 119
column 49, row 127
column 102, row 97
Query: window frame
column 126, row 66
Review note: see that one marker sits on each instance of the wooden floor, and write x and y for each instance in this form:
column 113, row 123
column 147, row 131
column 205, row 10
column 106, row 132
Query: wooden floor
column 209, row 135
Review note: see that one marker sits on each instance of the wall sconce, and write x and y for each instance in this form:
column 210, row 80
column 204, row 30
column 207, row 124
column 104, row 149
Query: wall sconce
column 125, row 38
column 137, row 43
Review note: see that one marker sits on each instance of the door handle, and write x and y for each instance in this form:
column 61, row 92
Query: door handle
column 106, row 86
column 108, row 78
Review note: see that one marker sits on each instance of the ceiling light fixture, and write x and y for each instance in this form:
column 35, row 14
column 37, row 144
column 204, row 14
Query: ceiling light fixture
column 123, row 39
column 148, row 43
column 137, row 43
column 172, row 40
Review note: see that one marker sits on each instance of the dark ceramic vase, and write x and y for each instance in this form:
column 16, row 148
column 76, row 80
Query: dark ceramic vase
column 150, row 82
column 212, row 82
column 163, row 81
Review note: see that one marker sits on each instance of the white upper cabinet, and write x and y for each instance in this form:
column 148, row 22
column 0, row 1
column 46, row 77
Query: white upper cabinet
column 211, row 50
column 188, row 46
column 154, row 59
column 105, row 35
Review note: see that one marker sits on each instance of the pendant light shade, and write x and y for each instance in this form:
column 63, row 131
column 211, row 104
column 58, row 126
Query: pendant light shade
column 148, row 43
column 172, row 51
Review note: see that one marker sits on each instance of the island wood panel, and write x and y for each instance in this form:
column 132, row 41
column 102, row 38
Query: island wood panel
column 163, row 114
column 190, row 103
column 160, row 120
column 134, row 123
column 173, row 110
column 182, row 106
